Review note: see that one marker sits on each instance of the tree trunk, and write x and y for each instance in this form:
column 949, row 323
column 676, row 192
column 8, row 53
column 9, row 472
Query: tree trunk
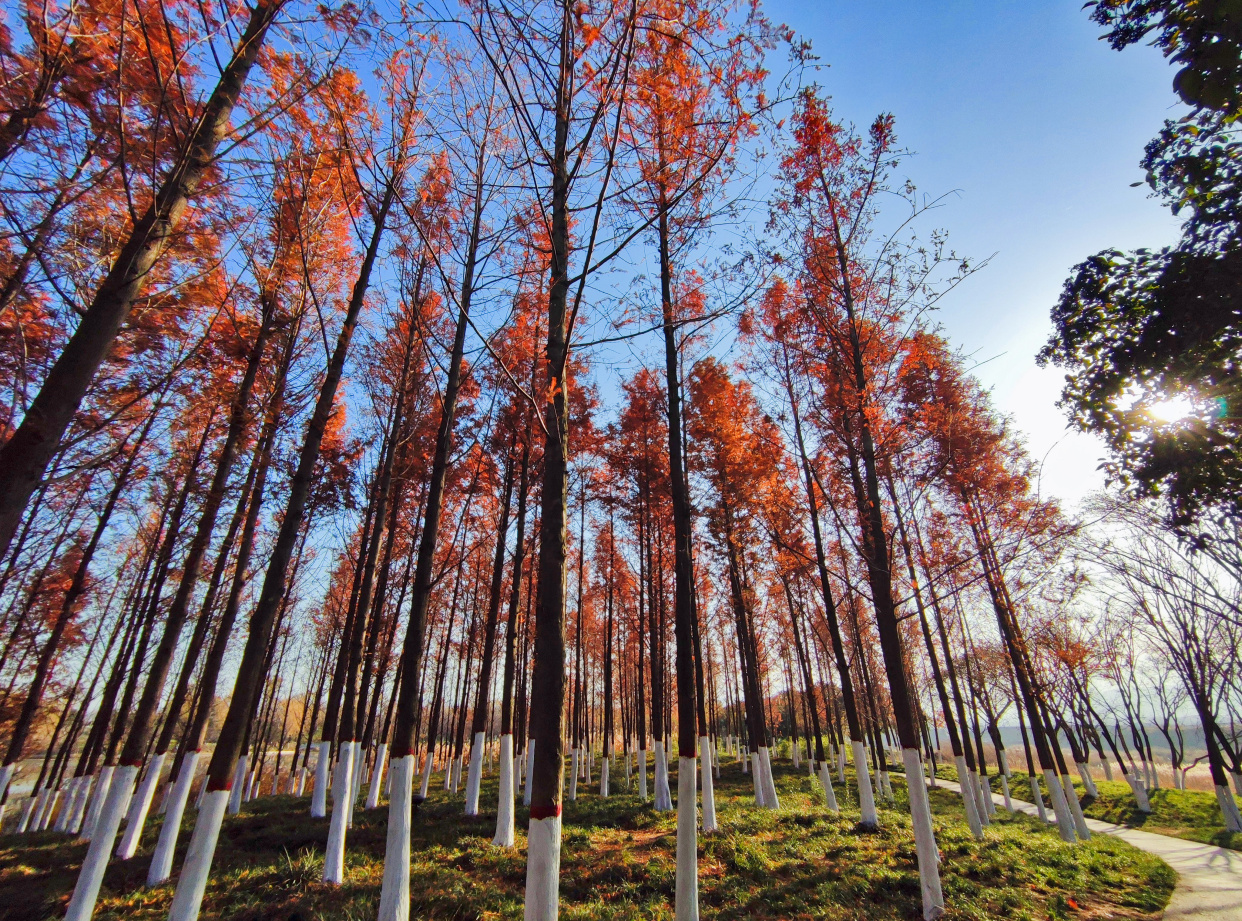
column 394, row 895
column 481, row 705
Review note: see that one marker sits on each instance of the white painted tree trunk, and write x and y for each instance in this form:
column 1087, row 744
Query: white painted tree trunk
column 1229, row 808
column 841, row 765
column 980, row 809
column 27, row 808
column 1088, row 782
column 300, row 789
column 686, row 903
column 770, row 799
column 319, row 797
column 1237, row 782
column 1080, row 820
column 825, row 780
column 504, row 807
column 927, row 809
column 1108, row 769
column 48, row 810
column 395, row 889
column 663, row 796
column 240, row 775
column 39, row 806
column 1060, row 808
column 1004, row 779
column 924, row 836
column 642, row 774
column 475, row 775
column 98, row 796
column 543, row 869
column 86, row 891
column 334, row 853
column 985, row 794
column 68, row 795
column 193, row 880
column 354, row 785
column 6, row 776
column 139, row 807
column 359, row 765
column 71, row 817
column 573, row 774
column 756, row 778
column 377, row 776
column 165, row 848
column 869, row 818
column 604, row 764
column 969, row 803
column 1038, row 796
column 428, row 762
column 706, row 758
column 530, row 762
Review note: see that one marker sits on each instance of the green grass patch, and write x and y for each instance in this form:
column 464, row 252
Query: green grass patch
column 1190, row 814
column 618, row 862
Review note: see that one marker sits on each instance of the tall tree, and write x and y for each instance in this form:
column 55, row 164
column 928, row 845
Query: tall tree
column 1148, row 339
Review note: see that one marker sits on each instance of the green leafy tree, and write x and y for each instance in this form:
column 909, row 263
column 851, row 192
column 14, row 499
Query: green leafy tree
column 1150, row 339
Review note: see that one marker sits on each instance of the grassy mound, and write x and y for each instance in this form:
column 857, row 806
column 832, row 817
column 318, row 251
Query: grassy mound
column 618, row 863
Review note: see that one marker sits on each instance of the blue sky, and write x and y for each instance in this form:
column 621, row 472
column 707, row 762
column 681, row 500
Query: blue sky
column 1040, row 127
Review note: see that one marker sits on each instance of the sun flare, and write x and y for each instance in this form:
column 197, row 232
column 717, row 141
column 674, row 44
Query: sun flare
column 1174, row 409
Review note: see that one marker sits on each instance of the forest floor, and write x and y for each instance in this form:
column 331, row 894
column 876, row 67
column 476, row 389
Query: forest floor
column 1190, row 814
column 618, row 862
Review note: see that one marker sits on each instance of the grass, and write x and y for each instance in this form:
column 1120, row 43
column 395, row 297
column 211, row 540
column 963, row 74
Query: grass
column 1190, row 814
column 618, row 863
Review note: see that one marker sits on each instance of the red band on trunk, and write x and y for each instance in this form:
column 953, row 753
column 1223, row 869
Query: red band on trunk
column 545, row 812
column 131, row 763
column 213, row 787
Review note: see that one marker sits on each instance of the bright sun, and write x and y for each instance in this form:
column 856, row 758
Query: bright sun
column 1173, row 409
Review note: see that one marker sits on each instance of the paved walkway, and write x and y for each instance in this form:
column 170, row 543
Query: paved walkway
column 1209, row 879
